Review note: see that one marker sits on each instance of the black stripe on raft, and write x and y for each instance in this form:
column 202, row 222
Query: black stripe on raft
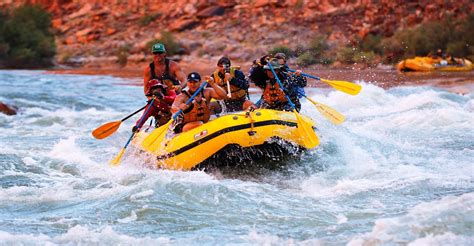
column 222, row 131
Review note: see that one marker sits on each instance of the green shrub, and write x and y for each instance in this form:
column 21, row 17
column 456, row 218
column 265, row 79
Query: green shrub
column 326, row 60
column 371, row 43
column 345, row 54
column 147, row 19
column 364, row 57
column 122, row 55
column 455, row 37
column 459, row 48
column 315, row 52
column 462, row 42
column 64, row 58
column 306, row 59
column 4, row 47
column 393, row 50
column 167, row 38
column 206, row 34
column 299, row 4
column 318, row 45
column 299, row 50
column 282, row 49
column 25, row 38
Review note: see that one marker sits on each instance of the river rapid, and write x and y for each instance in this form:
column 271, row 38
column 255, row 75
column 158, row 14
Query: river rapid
column 399, row 171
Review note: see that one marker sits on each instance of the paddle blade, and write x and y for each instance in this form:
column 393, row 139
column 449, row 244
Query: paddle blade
column 157, row 135
column 328, row 112
column 306, row 132
column 344, row 86
column 106, row 129
column 116, row 160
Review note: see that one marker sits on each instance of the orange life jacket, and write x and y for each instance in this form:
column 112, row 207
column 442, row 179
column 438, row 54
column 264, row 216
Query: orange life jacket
column 273, row 94
column 235, row 92
column 198, row 109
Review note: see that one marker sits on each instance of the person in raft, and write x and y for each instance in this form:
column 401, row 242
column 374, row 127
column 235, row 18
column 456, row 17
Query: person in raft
column 233, row 81
column 164, row 70
column 198, row 111
column 273, row 96
column 161, row 107
column 282, row 60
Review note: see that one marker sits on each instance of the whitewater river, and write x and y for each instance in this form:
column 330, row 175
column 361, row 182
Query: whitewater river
column 398, row 171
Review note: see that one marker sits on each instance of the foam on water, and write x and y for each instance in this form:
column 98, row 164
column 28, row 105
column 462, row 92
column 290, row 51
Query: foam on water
column 398, row 171
column 432, row 223
column 81, row 235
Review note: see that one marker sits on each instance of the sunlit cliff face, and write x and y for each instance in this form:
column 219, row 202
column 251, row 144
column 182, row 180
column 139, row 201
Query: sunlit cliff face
column 240, row 28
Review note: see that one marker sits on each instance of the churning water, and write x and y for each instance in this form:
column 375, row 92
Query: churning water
column 398, row 171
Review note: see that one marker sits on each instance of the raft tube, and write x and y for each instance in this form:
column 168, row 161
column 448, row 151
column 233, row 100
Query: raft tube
column 240, row 131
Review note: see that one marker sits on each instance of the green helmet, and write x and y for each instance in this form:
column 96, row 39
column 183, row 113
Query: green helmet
column 158, row 47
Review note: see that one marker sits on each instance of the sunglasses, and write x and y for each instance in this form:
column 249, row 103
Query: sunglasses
column 158, row 53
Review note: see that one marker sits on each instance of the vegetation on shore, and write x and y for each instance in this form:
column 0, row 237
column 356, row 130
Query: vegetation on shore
column 454, row 37
column 25, row 38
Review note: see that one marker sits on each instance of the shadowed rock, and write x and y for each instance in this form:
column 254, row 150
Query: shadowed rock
column 8, row 110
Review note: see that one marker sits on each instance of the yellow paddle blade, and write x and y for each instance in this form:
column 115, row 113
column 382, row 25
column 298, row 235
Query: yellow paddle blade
column 306, row 132
column 344, row 86
column 328, row 112
column 116, row 160
column 106, row 129
column 157, row 135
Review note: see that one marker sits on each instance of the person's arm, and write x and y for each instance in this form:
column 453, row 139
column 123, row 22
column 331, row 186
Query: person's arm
column 146, row 78
column 179, row 103
column 217, row 92
column 179, row 74
column 239, row 80
column 213, row 78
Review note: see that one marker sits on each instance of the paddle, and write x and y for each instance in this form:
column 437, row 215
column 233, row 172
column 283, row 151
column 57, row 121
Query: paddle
column 116, row 160
column 304, row 129
column 328, row 112
column 109, row 128
column 157, row 135
column 344, row 86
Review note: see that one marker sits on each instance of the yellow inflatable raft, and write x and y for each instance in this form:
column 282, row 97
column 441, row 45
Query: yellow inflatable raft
column 240, row 131
column 426, row 64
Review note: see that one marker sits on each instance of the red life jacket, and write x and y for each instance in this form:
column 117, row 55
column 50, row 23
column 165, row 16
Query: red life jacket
column 161, row 109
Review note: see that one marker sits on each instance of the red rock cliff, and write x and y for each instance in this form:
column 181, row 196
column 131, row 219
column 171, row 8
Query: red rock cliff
column 92, row 31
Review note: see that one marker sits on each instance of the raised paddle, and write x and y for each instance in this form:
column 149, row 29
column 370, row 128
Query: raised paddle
column 344, row 86
column 328, row 112
column 304, row 129
column 109, row 128
column 158, row 135
column 116, row 160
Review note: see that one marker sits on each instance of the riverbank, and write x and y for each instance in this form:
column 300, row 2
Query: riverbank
column 382, row 76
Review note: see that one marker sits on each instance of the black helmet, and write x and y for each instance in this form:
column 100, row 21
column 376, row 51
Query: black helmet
column 194, row 76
